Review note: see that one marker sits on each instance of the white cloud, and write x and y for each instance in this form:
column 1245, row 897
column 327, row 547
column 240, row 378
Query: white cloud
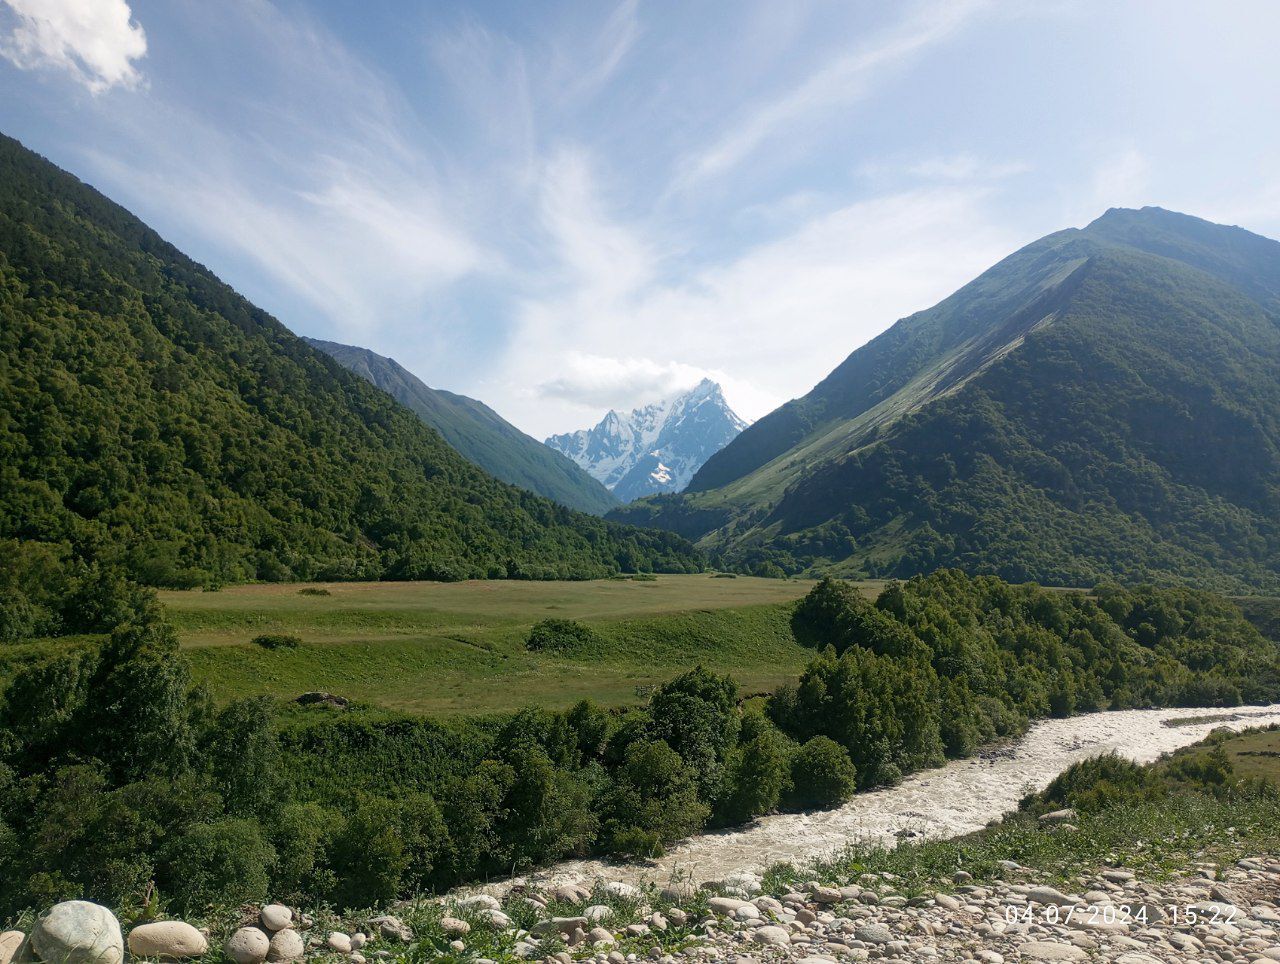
column 96, row 41
column 846, row 79
column 766, row 324
column 622, row 383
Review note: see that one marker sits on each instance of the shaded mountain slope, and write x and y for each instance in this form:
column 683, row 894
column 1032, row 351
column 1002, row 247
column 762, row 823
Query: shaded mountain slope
column 478, row 432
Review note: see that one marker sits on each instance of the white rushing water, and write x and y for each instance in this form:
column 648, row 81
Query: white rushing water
column 958, row 798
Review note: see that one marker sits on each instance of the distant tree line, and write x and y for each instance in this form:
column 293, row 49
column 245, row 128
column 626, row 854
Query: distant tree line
column 116, row 771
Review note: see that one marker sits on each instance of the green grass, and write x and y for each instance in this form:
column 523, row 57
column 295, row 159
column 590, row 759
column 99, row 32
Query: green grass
column 454, row 648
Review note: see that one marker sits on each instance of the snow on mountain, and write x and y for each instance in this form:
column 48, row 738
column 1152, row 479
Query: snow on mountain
column 657, row 448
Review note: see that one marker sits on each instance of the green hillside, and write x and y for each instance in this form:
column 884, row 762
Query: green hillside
column 1103, row 403
column 151, row 417
column 479, row 433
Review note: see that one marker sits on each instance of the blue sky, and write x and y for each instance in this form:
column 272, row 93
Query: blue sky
column 563, row 207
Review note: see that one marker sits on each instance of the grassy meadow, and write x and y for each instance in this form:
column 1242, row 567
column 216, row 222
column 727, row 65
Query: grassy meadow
column 452, row 648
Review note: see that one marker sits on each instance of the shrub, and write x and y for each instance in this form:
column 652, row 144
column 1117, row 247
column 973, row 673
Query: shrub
column 560, row 636
column 822, row 775
column 226, row 862
column 277, row 641
column 314, row 591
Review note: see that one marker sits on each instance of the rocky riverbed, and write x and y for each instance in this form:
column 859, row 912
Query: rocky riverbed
column 1211, row 914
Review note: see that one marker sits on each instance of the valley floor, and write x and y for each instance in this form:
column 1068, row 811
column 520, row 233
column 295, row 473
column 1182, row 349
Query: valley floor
column 455, row 648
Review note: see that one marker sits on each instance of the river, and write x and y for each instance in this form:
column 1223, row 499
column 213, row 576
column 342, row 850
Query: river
column 958, row 798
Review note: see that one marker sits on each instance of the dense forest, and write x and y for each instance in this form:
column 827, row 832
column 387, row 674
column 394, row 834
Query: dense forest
column 1104, row 404
column 115, row 772
column 154, row 421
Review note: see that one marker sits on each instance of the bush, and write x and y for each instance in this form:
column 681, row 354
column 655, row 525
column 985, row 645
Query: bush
column 822, row 775
column 226, row 862
column 277, row 641
column 560, row 636
column 314, row 591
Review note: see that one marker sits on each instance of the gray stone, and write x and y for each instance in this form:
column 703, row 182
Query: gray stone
column 772, row 934
column 1058, row 816
column 454, row 927
column 1051, row 951
column 78, row 932
column 392, row 928
column 873, row 933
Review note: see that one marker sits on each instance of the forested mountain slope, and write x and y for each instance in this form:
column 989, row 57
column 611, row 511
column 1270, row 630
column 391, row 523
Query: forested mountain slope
column 153, row 418
column 1103, row 403
column 479, row 433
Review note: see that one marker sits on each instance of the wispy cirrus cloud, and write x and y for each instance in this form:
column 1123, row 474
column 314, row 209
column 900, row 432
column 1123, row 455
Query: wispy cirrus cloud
column 96, row 41
column 847, row 78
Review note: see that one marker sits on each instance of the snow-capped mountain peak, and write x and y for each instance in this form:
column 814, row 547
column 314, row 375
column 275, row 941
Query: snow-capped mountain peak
column 655, row 448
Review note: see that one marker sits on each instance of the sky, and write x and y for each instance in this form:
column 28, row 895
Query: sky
column 563, row 207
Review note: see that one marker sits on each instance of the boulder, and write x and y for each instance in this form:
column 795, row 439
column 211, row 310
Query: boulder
column 276, row 917
column 393, row 928
column 725, row 905
column 339, row 942
column 623, row 890
column 454, row 927
column 599, row 935
column 78, row 932
column 14, row 947
column 286, row 945
column 598, row 912
column 169, row 940
column 1058, row 816
column 248, row 945
column 479, row 902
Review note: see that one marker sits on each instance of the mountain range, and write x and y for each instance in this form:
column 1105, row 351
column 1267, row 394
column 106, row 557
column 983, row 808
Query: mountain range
column 152, row 418
column 478, row 432
column 1103, row 403
column 657, row 448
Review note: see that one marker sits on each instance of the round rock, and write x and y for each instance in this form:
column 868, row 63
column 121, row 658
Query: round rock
column 169, row 940
column 248, row 945
column 276, row 917
column 286, row 945
column 78, row 932
column 11, row 947
column 340, row 942
column 771, row 934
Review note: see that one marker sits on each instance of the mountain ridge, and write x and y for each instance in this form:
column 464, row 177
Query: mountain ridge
column 657, row 447
column 478, row 432
column 793, row 491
